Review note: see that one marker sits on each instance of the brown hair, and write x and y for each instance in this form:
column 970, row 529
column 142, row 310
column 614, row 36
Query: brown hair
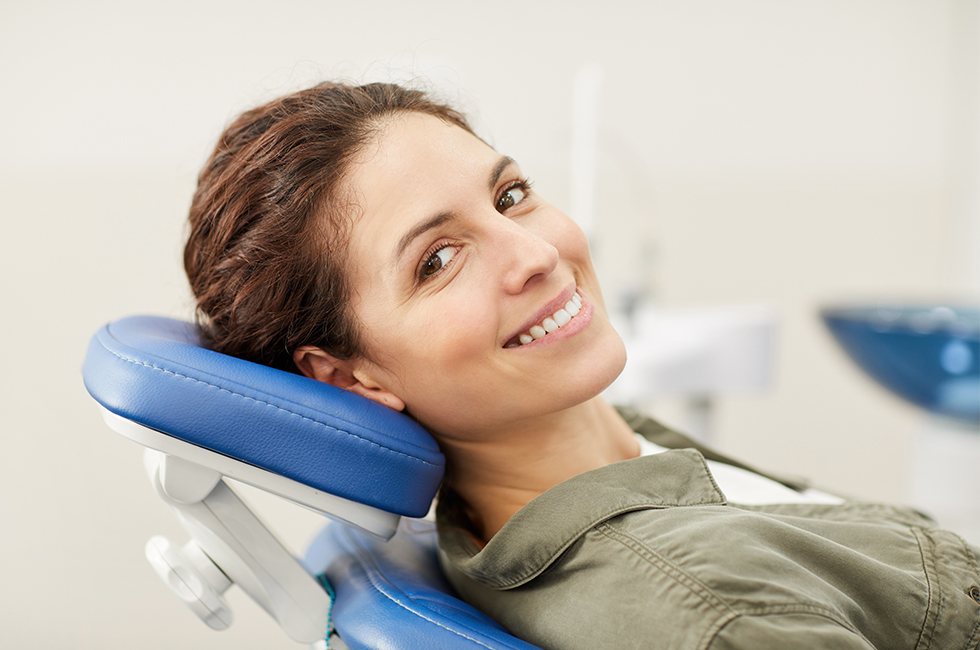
column 269, row 227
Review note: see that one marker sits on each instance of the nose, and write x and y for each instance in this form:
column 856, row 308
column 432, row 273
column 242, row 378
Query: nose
column 526, row 257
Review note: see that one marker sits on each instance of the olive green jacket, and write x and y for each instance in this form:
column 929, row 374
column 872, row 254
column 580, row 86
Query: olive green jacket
column 648, row 553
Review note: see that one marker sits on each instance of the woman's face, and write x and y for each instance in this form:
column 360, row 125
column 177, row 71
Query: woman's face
column 456, row 264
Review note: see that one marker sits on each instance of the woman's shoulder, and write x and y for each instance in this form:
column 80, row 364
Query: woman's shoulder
column 697, row 557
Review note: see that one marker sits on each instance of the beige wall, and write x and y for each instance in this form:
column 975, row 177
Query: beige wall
column 791, row 154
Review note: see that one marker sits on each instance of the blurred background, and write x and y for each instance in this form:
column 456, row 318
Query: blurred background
column 761, row 155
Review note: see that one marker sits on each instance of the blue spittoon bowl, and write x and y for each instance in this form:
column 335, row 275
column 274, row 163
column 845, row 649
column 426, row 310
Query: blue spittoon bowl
column 927, row 355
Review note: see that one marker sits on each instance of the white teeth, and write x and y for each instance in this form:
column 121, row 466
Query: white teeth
column 560, row 318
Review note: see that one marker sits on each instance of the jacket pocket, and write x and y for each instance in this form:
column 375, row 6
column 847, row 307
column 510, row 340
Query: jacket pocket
column 952, row 618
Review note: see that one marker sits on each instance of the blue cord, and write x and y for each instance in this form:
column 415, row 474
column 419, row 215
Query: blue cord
column 322, row 579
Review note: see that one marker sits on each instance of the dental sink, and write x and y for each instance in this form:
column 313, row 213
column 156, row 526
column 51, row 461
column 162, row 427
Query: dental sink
column 928, row 356
column 695, row 353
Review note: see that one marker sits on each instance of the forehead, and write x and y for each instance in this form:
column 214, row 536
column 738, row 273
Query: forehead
column 415, row 165
column 409, row 149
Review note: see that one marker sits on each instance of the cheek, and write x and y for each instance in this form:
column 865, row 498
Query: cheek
column 459, row 327
column 441, row 336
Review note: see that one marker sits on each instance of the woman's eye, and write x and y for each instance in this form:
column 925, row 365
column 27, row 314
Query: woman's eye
column 437, row 261
column 512, row 196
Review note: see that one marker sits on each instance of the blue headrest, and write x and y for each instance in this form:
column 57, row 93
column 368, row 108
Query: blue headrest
column 154, row 371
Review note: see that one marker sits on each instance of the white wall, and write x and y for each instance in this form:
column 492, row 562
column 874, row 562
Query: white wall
column 786, row 153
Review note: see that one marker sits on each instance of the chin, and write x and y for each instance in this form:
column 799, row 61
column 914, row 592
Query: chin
column 613, row 365
column 600, row 368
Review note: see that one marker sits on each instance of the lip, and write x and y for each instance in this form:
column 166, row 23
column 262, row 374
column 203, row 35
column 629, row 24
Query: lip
column 556, row 303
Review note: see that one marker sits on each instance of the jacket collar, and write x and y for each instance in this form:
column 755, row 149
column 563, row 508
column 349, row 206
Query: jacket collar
column 534, row 537
column 543, row 529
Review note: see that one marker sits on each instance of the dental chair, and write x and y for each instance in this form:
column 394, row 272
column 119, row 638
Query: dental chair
column 370, row 579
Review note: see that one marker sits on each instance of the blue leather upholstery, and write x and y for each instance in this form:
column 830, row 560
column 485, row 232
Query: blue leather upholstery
column 393, row 595
column 153, row 371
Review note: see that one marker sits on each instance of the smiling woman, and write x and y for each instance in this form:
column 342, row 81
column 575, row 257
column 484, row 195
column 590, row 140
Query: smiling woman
column 365, row 237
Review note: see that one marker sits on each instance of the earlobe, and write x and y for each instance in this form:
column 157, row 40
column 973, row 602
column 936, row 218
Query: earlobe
column 319, row 364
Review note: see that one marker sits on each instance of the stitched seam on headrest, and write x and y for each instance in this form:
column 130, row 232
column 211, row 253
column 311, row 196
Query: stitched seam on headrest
column 275, row 406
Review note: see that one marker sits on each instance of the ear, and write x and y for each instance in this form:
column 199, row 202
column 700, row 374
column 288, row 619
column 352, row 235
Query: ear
column 319, row 364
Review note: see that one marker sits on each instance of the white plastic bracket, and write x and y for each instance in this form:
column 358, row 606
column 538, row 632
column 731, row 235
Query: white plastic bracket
column 193, row 577
column 183, row 481
column 230, row 546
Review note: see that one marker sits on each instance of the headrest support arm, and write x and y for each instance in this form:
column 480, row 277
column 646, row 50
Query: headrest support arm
column 243, row 552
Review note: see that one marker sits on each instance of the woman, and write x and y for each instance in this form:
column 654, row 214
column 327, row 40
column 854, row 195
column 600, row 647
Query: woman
column 365, row 237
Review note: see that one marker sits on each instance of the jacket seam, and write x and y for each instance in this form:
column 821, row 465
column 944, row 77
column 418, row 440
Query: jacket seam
column 711, row 477
column 713, row 630
column 264, row 403
column 972, row 642
column 971, row 557
column 934, row 601
column 675, row 573
column 770, row 610
column 802, row 608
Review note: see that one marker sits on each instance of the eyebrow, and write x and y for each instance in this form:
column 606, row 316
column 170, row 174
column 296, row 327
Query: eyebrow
column 498, row 169
column 421, row 229
column 444, row 217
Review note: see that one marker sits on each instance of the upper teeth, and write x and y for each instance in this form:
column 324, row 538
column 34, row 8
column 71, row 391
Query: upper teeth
column 559, row 319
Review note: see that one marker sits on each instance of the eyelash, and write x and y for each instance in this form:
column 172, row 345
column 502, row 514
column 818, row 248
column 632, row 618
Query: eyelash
column 521, row 183
column 429, row 254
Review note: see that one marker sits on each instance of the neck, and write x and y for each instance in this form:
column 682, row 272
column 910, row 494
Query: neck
column 497, row 475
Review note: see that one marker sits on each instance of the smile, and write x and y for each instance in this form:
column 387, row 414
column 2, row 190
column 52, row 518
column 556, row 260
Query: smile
column 561, row 318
